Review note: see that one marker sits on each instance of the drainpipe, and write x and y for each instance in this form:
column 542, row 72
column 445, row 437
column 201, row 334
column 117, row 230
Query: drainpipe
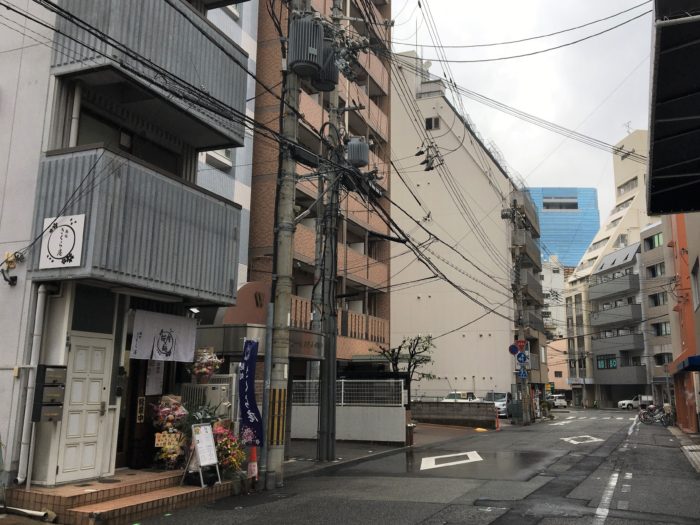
column 75, row 116
column 27, row 424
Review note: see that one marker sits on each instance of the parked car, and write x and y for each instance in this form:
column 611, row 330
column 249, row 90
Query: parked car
column 500, row 400
column 460, row 397
column 636, row 402
column 557, row 401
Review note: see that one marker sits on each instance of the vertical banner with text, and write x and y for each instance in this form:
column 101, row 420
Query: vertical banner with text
column 251, row 421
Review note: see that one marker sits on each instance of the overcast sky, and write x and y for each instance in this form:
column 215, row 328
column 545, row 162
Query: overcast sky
column 594, row 87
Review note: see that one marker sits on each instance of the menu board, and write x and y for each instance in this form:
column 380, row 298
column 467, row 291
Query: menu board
column 203, row 437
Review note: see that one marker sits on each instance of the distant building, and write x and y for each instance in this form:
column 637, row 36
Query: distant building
column 553, row 280
column 569, row 220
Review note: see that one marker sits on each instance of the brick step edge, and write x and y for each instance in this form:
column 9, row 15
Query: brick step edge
column 129, row 511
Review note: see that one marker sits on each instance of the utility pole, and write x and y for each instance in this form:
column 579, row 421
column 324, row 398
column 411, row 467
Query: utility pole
column 513, row 214
column 326, row 432
column 284, row 253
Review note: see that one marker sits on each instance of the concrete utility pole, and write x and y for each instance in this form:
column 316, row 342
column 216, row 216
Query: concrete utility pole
column 326, row 427
column 284, row 255
column 516, row 219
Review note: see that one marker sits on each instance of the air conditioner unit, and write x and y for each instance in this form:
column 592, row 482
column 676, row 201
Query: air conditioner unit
column 219, row 393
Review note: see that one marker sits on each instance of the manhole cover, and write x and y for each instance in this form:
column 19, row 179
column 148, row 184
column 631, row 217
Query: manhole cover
column 109, row 480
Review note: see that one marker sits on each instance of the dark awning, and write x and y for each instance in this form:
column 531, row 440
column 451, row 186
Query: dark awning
column 674, row 148
column 692, row 364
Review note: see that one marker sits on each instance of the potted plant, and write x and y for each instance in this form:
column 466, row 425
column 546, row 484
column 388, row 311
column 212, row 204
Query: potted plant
column 205, row 365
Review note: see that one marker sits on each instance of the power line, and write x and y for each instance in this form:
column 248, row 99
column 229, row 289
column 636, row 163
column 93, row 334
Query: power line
column 527, row 39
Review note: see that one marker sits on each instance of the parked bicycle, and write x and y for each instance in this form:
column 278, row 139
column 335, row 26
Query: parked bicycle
column 653, row 414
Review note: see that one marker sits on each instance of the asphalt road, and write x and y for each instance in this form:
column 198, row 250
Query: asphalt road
column 586, row 467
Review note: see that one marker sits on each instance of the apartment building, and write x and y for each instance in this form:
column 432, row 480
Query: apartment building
column 451, row 207
column 621, row 228
column 362, row 250
column 553, row 285
column 569, row 220
column 620, row 361
column 110, row 239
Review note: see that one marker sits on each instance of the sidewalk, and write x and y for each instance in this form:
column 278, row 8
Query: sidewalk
column 303, row 452
column 690, row 445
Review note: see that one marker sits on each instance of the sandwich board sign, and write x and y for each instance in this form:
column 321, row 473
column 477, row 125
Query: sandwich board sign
column 204, row 451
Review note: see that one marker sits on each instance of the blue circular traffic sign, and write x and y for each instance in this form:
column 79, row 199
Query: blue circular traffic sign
column 522, row 358
column 513, row 349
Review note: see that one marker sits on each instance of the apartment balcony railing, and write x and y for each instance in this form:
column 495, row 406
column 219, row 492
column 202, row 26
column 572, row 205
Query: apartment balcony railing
column 623, row 375
column 532, row 287
column 143, row 228
column 524, row 201
column 350, row 324
column 620, row 343
column 627, row 314
column 528, row 246
column 376, row 69
column 361, row 268
column 626, row 284
column 171, row 35
column 371, row 114
column 533, row 320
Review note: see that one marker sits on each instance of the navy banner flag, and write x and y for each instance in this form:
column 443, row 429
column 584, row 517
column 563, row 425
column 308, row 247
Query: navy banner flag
column 251, row 421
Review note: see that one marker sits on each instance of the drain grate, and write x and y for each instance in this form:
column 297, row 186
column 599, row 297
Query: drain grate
column 84, row 485
column 109, row 480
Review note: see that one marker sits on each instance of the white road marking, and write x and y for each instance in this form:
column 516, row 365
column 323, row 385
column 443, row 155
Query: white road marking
column 620, row 418
column 581, row 440
column 593, row 417
column 560, row 423
column 430, row 463
column 582, row 417
column 601, row 513
column 608, row 417
column 571, row 417
column 635, row 421
column 626, row 488
column 628, row 475
column 632, row 418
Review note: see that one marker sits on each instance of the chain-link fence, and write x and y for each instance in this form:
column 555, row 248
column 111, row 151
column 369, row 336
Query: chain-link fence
column 388, row 392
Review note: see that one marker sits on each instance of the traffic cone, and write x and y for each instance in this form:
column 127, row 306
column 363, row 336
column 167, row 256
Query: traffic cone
column 253, row 463
column 498, row 422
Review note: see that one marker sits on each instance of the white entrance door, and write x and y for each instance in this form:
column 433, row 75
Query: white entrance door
column 87, row 395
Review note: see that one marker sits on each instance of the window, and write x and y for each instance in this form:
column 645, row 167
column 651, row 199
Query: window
column 606, row 362
column 559, row 203
column 654, row 241
column 432, row 123
column 621, row 241
column 658, row 299
column 661, row 328
column 662, row 359
column 627, row 186
column 558, row 373
column 598, row 244
column 623, row 205
column 695, row 284
column 555, row 270
column 656, row 270
column 612, row 224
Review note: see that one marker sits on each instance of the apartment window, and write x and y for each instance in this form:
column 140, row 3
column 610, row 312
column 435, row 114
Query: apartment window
column 606, row 362
column 658, row 299
column 656, row 270
column 661, row 328
column 555, row 270
column 623, row 205
column 559, row 203
column 627, row 186
column 654, row 241
column 662, row 359
column 621, row 241
column 695, row 283
column 558, row 373
column 612, row 224
column 432, row 123
column 598, row 244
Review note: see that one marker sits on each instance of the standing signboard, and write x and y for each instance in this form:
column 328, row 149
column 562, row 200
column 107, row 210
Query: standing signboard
column 203, row 451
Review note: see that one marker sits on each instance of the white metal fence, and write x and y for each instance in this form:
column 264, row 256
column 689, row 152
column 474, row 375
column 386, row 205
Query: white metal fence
column 349, row 392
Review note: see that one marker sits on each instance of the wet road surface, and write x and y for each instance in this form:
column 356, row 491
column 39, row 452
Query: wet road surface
column 585, row 467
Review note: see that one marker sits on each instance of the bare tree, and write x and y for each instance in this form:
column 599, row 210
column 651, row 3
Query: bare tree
column 412, row 354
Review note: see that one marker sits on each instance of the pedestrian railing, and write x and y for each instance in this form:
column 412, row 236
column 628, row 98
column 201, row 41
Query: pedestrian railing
column 387, row 392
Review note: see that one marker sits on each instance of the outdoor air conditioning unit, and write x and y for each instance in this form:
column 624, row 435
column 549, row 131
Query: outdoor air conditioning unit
column 219, row 393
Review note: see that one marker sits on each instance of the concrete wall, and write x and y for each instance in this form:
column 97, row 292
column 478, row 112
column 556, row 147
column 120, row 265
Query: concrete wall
column 353, row 423
column 465, row 414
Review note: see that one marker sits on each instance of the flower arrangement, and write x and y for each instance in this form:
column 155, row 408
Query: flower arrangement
column 229, row 450
column 168, row 415
column 205, row 364
column 172, row 454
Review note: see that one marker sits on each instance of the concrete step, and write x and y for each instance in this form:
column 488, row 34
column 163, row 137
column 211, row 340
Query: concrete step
column 130, row 509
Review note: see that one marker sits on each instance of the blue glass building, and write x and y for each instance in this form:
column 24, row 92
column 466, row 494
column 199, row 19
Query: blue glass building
column 569, row 220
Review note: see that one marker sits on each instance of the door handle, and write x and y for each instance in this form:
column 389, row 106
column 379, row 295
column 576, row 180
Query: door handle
column 103, row 408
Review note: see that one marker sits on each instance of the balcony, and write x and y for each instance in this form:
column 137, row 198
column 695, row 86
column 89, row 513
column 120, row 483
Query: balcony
column 143, row 228
column 532, row 286
column 175, row 38
column 350, row 324
column 620, row 343
column 361, row 268
column 624, row 285
column 627, row 314
column 375, row 68
column 625, row 375
column 533, row 319
column 524, row 201
column 371, row 114
column 523, row 239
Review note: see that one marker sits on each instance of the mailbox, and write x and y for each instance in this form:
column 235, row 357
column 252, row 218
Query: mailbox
column 49, row 393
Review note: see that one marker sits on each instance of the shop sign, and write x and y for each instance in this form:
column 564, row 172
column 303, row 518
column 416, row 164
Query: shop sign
column 251, row 421
column 62, row 242
column 163, row 337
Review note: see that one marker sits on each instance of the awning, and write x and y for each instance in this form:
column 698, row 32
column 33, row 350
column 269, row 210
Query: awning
column 692, row 364
column 674, row 147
